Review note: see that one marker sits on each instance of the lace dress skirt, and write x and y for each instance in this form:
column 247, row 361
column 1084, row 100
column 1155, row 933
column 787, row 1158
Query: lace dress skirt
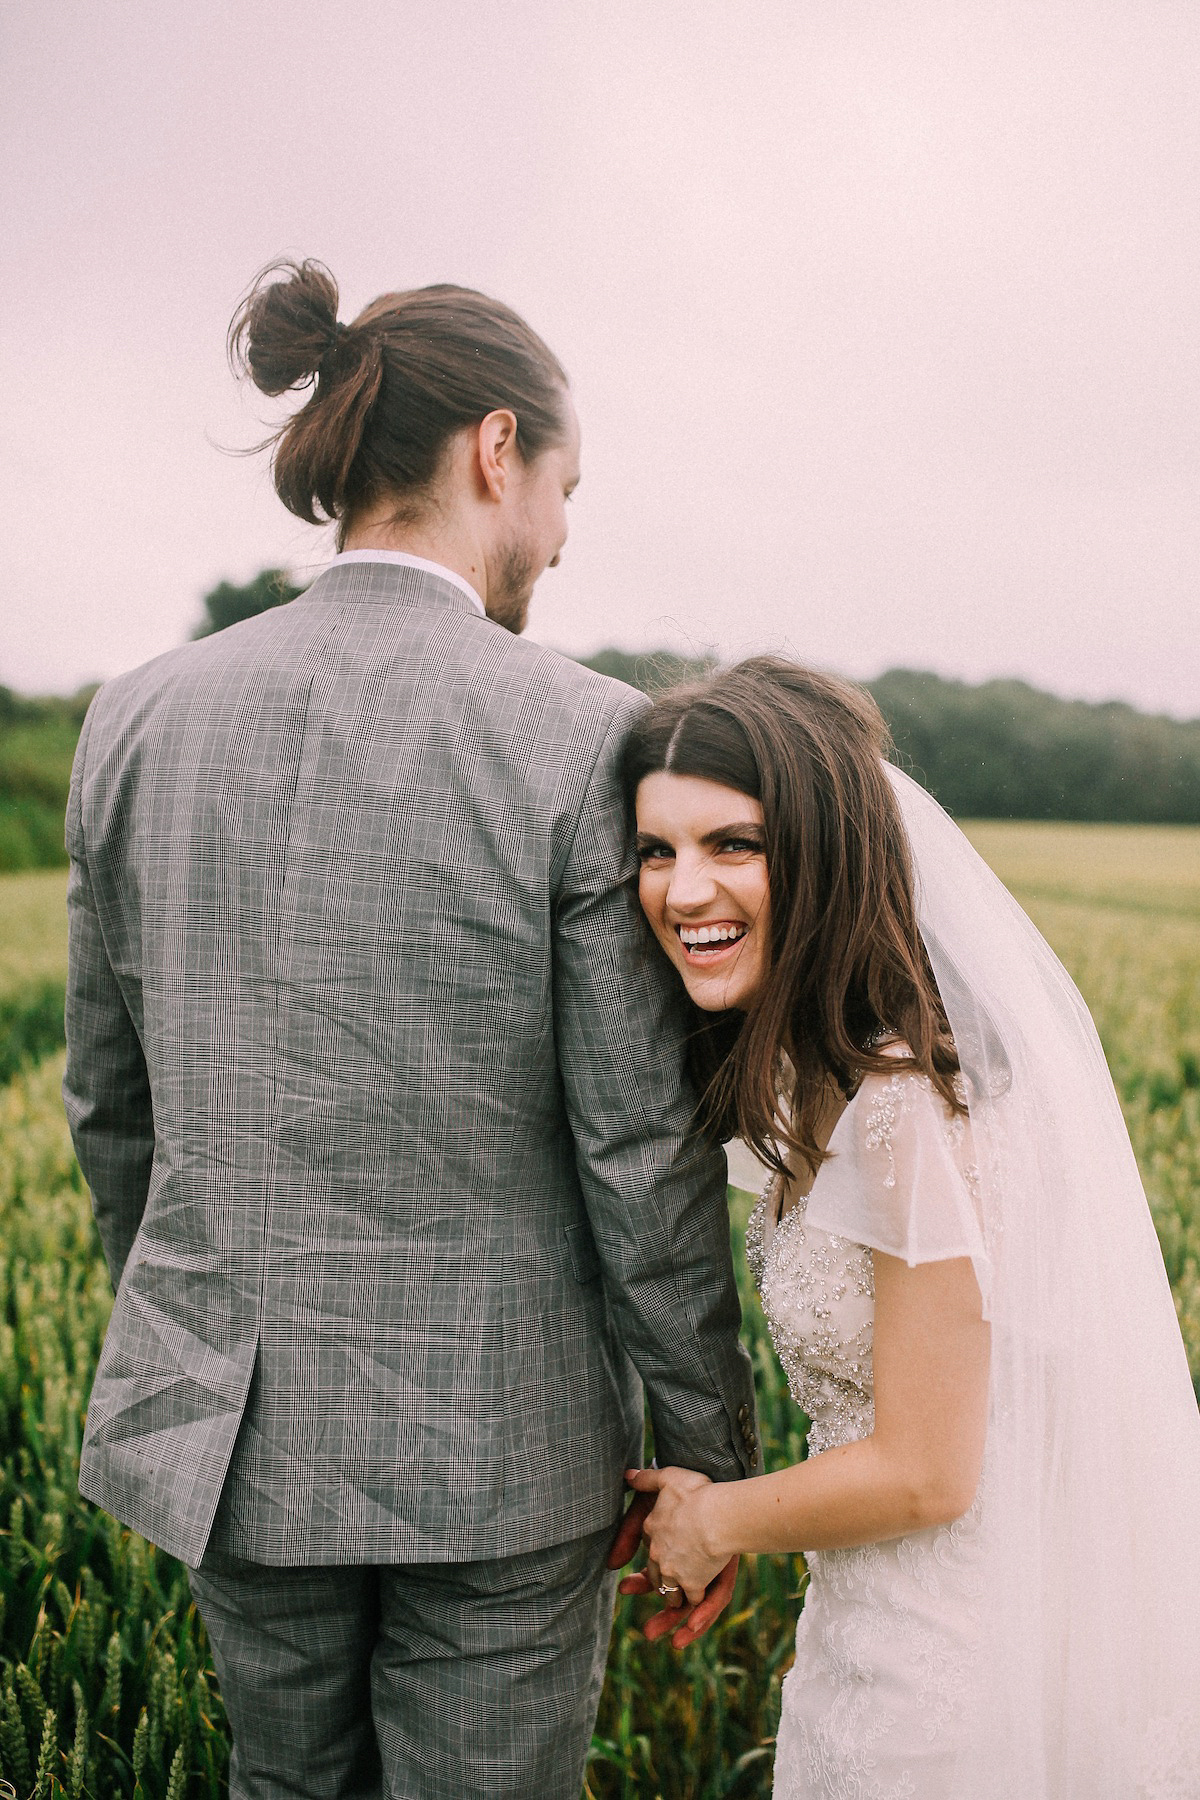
column 878, row 1697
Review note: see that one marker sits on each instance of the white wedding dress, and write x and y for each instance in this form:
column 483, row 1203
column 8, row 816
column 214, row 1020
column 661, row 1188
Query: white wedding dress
column 886, row 1650
column 1047, row 1645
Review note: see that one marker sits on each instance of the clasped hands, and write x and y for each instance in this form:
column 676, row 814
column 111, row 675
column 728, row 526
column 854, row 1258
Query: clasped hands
column 670, row 1514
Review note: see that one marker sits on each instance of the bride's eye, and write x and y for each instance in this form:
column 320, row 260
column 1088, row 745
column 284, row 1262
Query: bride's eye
column 741, row 846
column 651, row 850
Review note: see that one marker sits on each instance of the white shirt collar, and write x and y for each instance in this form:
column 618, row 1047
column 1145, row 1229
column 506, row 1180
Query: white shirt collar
column 411, row 562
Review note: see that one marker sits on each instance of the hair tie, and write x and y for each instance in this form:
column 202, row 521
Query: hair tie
column 338, row 333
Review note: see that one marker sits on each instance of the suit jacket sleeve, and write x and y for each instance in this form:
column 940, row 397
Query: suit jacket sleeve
column 106, row 1089
column 655, row 1191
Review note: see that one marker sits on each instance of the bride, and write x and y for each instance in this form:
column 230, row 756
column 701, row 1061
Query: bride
column 1000, row 1508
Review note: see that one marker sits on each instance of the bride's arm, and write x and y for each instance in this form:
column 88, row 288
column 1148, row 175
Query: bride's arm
column 919, row 1467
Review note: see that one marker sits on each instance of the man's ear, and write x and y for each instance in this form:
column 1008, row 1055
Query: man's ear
column 497, row 451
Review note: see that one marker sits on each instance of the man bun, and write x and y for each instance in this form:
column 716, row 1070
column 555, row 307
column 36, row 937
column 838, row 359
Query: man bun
column 390, row 390
column 286, row 326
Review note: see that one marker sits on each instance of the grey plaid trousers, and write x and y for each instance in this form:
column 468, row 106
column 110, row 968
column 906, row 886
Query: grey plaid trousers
column 440, row 1681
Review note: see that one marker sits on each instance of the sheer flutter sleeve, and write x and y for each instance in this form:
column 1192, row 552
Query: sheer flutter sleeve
column 900, row 1177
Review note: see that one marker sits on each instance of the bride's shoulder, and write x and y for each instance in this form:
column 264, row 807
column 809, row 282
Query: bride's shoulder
column 887, row 1100
column 903, row 1081
column 900, row 1175
column 906, row 1076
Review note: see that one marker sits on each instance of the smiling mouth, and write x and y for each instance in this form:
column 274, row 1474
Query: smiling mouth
column 711, row 943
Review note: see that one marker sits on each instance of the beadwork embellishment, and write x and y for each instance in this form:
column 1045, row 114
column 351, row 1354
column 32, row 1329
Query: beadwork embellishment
column 886, row 1104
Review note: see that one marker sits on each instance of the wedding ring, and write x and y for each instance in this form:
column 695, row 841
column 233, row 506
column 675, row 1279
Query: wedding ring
column 665, row 1588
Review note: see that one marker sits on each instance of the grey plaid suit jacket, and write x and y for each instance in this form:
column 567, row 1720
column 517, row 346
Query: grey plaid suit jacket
column 376, row 1082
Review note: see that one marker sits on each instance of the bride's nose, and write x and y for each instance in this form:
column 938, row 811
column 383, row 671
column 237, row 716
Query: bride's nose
column 692, row 885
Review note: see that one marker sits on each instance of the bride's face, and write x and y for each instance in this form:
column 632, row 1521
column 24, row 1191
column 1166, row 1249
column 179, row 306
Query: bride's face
column 703, row 885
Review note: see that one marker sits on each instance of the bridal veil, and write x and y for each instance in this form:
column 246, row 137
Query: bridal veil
column 1089, row 1687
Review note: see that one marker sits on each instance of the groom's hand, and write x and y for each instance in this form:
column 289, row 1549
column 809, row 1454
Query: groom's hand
column 686, row 1623
column 629, row 1536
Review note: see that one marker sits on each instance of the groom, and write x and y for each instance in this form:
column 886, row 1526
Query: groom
column 379, row 1096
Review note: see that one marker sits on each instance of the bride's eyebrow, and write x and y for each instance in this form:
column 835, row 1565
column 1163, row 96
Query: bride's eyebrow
column 747, row 828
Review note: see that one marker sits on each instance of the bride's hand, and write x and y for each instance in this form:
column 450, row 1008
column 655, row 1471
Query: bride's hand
column 675, row 1530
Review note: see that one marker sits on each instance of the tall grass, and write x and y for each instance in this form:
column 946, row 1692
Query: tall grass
column 105, row 1687
column 33, row 929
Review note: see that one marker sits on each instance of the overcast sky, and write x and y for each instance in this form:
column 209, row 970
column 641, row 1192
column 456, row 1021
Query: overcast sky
column 881, row 317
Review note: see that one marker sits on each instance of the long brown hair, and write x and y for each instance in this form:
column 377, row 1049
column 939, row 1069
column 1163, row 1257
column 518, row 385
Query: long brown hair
column 847, row 965
column 390, row 389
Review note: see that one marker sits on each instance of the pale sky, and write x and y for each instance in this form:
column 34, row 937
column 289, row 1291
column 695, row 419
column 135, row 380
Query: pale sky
column 881, row 318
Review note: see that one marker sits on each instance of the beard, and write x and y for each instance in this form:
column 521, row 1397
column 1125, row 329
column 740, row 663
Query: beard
column 510, row 594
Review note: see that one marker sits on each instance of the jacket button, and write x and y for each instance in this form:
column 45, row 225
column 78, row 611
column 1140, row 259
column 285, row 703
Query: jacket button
column 743, row 1413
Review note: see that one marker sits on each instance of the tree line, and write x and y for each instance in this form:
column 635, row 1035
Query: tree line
column 1006, row 750
column 999, row 750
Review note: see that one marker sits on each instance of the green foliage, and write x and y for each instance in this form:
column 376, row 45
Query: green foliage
column 106, row 1690
column 37, row 745
column 1007, row 751
column 33, row 967
column 31, row 1025
column 228, row 605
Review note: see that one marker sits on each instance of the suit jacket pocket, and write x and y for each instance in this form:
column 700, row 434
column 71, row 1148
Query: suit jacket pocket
column 585, row 1263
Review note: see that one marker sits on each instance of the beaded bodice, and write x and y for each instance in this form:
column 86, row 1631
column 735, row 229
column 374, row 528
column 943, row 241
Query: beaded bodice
column 817, row 1289
column 818, row 1297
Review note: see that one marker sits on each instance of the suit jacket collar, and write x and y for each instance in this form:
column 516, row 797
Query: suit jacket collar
column 388, row 584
